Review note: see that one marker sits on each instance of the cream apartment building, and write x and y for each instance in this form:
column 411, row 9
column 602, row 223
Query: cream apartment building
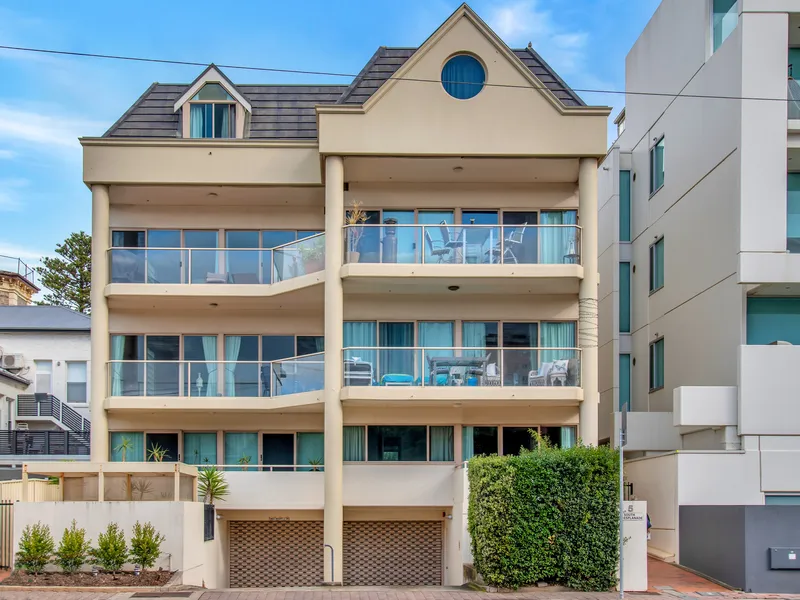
column 341, row 368
column 700, row 286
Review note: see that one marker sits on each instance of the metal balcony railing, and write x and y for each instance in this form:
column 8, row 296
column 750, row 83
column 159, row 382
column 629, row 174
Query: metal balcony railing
column 217, row 265
column 467, row 367
column 47, row 405
column 12, row 264
column 19, row 442
column 463, row 244
column 202, row 379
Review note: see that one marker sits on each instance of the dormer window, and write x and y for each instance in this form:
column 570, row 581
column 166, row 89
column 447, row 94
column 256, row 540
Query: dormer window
column 212, row 113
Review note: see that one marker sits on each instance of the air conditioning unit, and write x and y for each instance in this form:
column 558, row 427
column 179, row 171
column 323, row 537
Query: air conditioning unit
column 12, row 361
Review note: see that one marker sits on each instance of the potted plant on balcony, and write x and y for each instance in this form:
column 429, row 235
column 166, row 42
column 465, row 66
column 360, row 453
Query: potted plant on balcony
column 123, row 447
column 211, row 485
column 313, row 254
column 316, row 464
column 244, row 461
column 355, row 218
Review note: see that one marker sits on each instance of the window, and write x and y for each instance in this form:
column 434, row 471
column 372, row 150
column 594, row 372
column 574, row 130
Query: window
column 657, row 365
column 441, row 444
column 76, row 382
column 478, row 441
column 657, row 166
column 793, row 210
column 463, row 76
column 397, row 443
column 624, row 206
column 625, row 297
column 724, row 18
column 560, row 437
column 44, row 376
column 624, row 381
column 782, row 500
column 241, row 449
column 773, row 319
column 162, row 447
column 657, row 265
column 200, row 448
column 354, row 443
column 126, row 446
column 212, row 113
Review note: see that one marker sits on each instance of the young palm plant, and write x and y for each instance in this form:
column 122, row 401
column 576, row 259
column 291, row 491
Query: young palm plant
column 156, row 453
column 123, row 447
column 211, row 485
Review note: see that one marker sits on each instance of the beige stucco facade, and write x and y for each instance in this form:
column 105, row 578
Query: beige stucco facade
column 514, row 153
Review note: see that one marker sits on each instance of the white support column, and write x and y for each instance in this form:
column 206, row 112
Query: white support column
column 100, row 335
column 587, row 296
column 334, row 317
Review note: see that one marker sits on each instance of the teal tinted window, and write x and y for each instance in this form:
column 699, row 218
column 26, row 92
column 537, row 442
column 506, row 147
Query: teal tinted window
column 463, row 76
column 724, row 19
column 200, row 448
column 625, row 297
column 624, row 381
column 773, row 319
column 657, row 166
column 126, row 446
column 793, row 210
column 624, row 206
column 657, row 265
column 657, row 365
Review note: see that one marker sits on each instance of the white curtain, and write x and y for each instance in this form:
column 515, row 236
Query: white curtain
column 232, row 345
column 210, row 355
column 467, row 442
column 117, row 349
column 568, row 435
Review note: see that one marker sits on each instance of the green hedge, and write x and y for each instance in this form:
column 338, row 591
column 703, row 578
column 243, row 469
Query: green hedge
column 549, row 515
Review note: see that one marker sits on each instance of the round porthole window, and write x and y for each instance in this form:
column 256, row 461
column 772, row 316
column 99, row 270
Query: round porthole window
column 463, row 76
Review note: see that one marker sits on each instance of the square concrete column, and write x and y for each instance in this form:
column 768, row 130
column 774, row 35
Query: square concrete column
column 587, row 298
column 334, row 317
column 100, row 336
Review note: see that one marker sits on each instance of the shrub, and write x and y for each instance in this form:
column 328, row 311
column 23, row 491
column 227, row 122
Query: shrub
column 111, row 552
column 73, row 551
column 35, row 548
column 145, row 544
column 211, row 485
column 547, row 515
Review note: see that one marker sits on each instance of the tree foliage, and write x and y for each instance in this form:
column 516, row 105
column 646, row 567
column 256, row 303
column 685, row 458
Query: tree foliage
column 68, row 276
column 112, row 551
column 35, row 548
column 548, row 515
column 145, row 544
column 73, row 551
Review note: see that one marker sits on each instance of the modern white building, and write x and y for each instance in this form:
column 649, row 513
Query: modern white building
column 44, row 395
column 700, row 285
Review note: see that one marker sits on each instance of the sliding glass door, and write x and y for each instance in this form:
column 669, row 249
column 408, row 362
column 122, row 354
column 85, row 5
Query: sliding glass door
column 163, row 368
column 396, row 360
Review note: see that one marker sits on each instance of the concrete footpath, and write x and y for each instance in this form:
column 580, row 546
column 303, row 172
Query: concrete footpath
column 373, row 593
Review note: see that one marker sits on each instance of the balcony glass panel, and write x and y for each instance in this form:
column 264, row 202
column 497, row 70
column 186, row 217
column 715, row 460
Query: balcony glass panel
column 470, row 367
column 302, row 257
column 470, row 244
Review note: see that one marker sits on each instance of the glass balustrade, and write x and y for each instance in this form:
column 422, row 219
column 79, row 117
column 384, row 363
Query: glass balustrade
column 462, row 244
column 217, row 265
column 470, row 367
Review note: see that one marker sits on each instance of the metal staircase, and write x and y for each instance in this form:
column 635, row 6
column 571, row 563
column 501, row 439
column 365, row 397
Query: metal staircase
column 46, row 407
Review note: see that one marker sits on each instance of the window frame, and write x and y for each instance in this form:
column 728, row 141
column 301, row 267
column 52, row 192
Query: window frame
column 85, row 381
column 625, row 223
column 234, row 110
column 654, row 347
column 711, row 29
column 625, row 266
column 474, row 57
column 653, row 260
column 653, row 156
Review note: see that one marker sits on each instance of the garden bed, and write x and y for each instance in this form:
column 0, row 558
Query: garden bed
column 126, row 579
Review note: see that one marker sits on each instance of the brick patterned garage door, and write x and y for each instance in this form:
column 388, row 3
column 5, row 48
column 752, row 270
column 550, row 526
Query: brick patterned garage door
column 275, row 553
column 393, row 553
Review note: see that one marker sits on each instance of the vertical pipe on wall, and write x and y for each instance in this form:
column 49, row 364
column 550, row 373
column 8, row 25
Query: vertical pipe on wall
column 587, row 298
column 99, row 323
column 334, row 316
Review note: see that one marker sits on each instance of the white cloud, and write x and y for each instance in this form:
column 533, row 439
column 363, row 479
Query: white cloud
column 58, row 132
column 522, row 21
column 9, row 193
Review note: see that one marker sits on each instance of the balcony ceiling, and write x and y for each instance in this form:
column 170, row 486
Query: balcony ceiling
column 194, row 195
column 455, row 169
column 776, row 289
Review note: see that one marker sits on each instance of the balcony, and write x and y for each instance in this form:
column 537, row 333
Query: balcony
column 450, row 374
column 215, row 385
column 28, row 445
column 423, row 485
column 546, row 258
column 204, row 273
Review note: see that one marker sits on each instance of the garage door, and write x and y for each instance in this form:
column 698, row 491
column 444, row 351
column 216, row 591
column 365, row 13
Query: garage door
column 393, row 553
column 275, row 553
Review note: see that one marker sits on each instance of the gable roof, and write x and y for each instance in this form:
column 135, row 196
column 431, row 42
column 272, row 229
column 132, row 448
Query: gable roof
column 212, row 74
column 42, row 318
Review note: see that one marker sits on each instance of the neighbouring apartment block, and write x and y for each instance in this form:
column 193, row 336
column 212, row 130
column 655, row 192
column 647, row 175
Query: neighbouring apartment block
column 700, row 286
column 338, row 293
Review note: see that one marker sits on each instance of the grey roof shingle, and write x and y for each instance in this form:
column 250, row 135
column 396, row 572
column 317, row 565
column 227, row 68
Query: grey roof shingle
column 42, row 318
column 286, row 112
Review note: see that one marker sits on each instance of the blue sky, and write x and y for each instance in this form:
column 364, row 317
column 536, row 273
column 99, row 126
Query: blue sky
column 47, row 102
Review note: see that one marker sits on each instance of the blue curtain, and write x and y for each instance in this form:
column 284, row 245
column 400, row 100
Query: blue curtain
column 135, row 451
column 210, row 355
column 310, row 447
column 353, row 442
column 200, row 448
column 434, row 335
column 394, row 361
column 442, row 444
column 463, row 77
column 117, row 349
column 240, row 446
column 558, row 244
column 232, row 345
column 359, row 335
column 558, row 335
column 467, row 442
column 197, row 120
